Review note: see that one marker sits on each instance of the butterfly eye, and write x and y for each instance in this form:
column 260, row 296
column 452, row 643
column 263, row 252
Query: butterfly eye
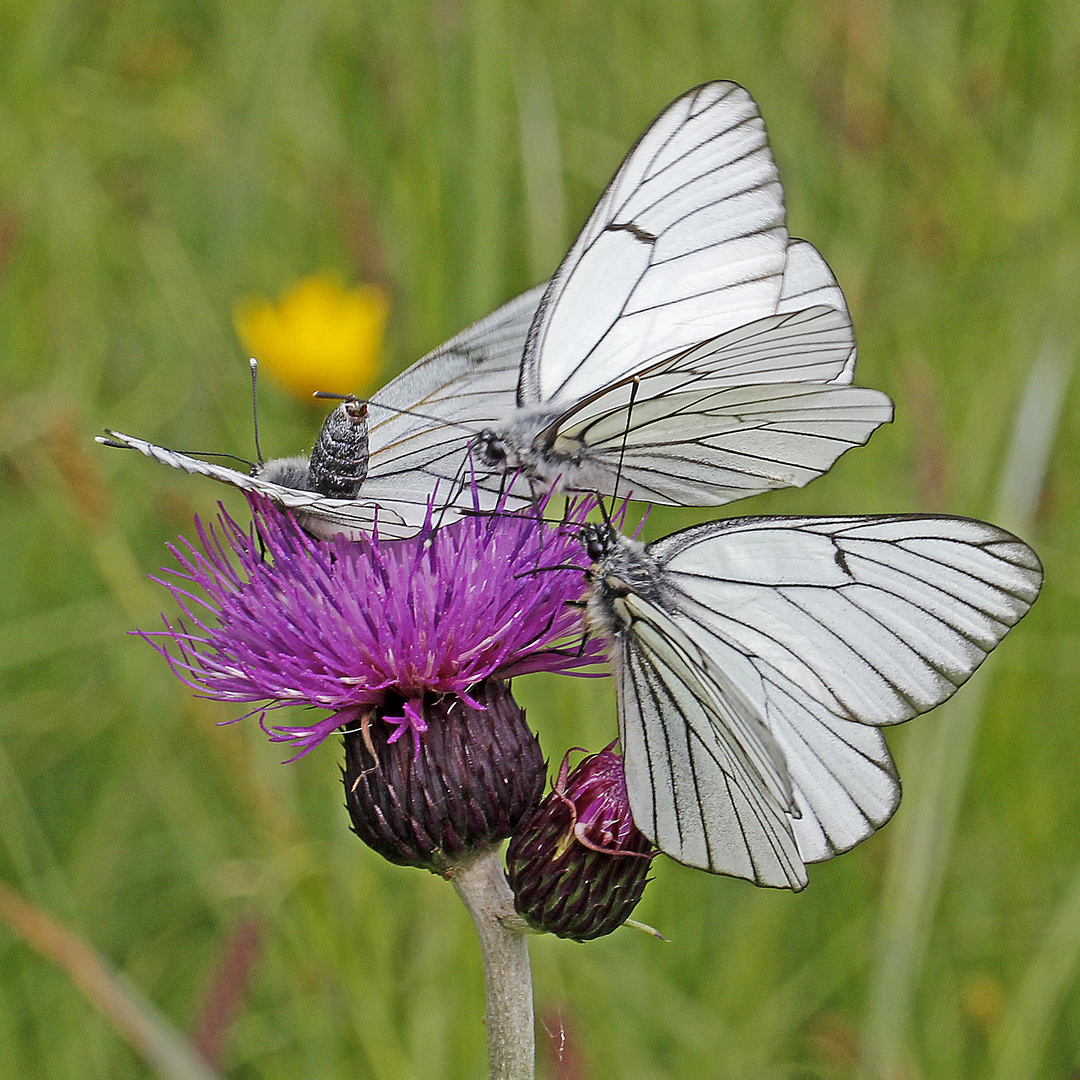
column 491, row 449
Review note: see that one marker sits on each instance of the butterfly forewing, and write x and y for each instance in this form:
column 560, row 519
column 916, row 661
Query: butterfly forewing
column 469, row 380
column 688, row 241
column 321, row 515
column 877, row 618
column 808, row 282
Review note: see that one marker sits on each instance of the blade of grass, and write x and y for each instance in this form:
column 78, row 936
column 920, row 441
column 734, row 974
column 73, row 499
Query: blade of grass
column 541, row 159
column 137, row 1021
column 1041, row 993
column 79, row 625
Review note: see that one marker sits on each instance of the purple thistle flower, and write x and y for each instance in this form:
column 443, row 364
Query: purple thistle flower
column 361, row 626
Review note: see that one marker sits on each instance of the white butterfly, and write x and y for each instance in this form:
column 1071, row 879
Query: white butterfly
column 684, row 296
column 684, row 339
column 756, row 659
column 384, row 455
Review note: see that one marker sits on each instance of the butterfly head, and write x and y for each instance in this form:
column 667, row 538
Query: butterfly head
column 524, row 443
column 599, row 539
column 491, row 450
column 621, row 567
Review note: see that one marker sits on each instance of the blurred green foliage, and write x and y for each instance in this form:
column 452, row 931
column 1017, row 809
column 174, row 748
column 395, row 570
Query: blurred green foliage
column 160, row 160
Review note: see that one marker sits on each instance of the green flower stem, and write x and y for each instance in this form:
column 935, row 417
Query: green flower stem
column 482, row 886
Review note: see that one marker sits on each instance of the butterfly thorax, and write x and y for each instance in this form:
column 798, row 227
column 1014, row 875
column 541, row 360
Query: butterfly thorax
column 290, row 472
column 621, row 568
column 527, row 440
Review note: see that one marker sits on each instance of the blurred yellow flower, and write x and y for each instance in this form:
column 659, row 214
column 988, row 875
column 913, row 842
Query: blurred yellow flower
column 320, row 335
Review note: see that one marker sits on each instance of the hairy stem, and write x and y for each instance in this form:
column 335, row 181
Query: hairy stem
column 482, row 886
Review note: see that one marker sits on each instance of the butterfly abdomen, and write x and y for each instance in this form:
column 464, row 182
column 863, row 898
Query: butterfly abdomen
column 339, row 458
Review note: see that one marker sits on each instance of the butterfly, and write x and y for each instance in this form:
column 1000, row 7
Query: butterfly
column 381, row 461
column 687, row 350
column 686, row 344
column 757, row 658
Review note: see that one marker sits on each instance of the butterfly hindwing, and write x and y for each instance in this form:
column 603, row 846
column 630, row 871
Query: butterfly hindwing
column 706, row 781
column 719, row 424
column 817, row 631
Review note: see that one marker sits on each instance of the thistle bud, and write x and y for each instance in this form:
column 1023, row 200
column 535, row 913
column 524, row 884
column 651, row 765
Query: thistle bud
column 459, row 781
column 577, row 863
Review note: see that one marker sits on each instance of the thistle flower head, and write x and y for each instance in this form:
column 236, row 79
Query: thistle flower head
column 578, row 864
column 472, row 778
column 355, row 626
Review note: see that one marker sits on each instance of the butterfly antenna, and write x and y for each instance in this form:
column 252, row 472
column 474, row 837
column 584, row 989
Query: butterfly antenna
column 440, row 420
column 255, row 405
column 218, row 454
column 626, row 434
column 546, row 569
column 604, row 513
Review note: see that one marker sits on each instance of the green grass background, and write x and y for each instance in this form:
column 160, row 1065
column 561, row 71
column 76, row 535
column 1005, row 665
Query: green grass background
column 159, row 160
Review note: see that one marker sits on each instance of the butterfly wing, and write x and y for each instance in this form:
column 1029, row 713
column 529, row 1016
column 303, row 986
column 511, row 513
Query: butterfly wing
column 684, row 281
column 319, row 514
column 423, row 418
column 705, row 779
column 835, row 626
column 760, row 407
column 708, row 447
column 422, row 421
column 808, row 282
column 688, row 241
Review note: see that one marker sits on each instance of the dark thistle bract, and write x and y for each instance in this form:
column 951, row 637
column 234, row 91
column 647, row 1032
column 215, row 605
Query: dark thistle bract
column 577, row 863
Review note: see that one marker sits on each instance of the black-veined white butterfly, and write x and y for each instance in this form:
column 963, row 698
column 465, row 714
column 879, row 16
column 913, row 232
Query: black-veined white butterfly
column 684, row 338
column 686, row 345
column 757, row 658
